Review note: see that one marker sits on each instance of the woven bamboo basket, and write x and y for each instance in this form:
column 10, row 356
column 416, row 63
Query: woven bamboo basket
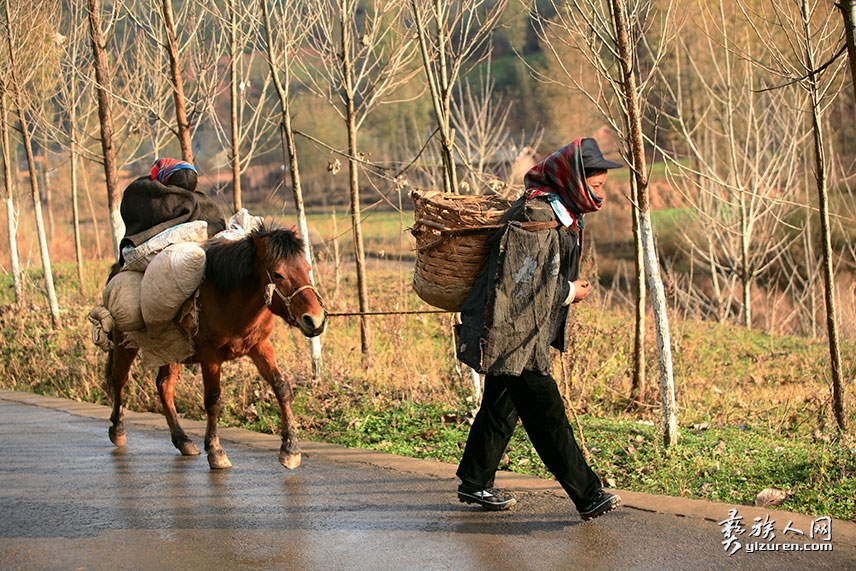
column 452, row 233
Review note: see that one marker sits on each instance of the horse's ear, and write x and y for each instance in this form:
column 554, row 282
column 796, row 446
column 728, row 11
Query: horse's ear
column 259, row 244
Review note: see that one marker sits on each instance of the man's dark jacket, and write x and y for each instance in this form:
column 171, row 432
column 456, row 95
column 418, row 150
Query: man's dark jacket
column 514, row 312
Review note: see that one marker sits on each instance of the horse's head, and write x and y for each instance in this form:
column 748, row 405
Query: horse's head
column 289, row 291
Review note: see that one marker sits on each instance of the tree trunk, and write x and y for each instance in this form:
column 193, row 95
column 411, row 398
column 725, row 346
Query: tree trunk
column 668, row 419
column 652, row 266
column 829, row 278
column 75, row 202
column 46, row 190
column 233, row 108
column 357, row 229
column 637, row 386
column 37, row 211
column 354, row 184
column 11, row 214
column 180, row 100
column 31, row 165
column 290, row 157
column 75, row 205
column 825, row 230
column 105, row 120
column 439, row 85
column 848, row 11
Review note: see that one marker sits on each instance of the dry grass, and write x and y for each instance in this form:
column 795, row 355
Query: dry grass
column 724, row 374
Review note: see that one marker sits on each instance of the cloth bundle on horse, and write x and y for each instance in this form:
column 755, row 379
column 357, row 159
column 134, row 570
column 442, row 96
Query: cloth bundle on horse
column 150, row 296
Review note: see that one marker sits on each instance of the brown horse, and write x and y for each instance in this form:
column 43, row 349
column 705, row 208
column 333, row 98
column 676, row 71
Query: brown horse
column 247, row 283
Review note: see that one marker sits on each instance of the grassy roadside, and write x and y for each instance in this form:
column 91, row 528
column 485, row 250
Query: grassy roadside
column 754, row 410
column 717, row 463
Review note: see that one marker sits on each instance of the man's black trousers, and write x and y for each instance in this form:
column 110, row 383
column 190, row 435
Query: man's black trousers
column 535, row 399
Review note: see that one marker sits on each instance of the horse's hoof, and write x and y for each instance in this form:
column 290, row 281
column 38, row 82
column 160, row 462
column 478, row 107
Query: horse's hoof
column 218, row 461
column 289, row 460
column 184, row 444
column 117, row 437
column 188, row 448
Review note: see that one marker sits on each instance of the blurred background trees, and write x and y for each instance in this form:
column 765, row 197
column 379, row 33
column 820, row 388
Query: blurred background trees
column 748, row 144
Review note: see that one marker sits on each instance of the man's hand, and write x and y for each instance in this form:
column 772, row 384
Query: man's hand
column 581, row 290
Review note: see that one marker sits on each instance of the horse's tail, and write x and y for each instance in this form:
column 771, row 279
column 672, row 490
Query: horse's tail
column 108, row 367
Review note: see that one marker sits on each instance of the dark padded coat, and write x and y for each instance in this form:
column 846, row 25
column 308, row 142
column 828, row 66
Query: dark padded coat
column 514, row 313
column 149, row 207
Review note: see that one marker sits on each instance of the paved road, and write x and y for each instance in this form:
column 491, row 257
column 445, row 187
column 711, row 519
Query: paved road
column 70, row 500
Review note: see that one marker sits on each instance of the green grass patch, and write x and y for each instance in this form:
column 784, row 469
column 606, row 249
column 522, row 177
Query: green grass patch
column 672, row 221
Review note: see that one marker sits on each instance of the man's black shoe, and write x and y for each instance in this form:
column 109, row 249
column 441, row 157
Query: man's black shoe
column 489, row 499
column 601, row 503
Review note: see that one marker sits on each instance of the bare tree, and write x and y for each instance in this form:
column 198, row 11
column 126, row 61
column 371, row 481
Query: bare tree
column 363, row 60
column 9, row 191
column 812, row 39
column 8, row 169
column 606, row 34
column 35, row 38
column 233, row 104
column 247, row 134
column 635, row 137
column 743, row 145
column 70, row 99
column 141, row 87
column 294, row 20
column 479, row 117
column 105, row 120
column 172, row 49
column 148, row 83
column 451, row 37
column 492, row 159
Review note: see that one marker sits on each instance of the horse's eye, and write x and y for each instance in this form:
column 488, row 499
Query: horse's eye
column 277, row 276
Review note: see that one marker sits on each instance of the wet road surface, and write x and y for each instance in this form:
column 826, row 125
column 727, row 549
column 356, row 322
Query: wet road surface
column 70, row 500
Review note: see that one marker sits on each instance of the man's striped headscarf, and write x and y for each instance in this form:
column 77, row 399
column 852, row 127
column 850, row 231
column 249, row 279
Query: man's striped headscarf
column 563, row 174
column 165, row 168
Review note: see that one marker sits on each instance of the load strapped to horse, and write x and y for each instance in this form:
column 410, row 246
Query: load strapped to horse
column 184, row 298
column 150, row 298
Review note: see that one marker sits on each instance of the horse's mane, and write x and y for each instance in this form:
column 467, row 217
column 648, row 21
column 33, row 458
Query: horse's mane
column 230, row 263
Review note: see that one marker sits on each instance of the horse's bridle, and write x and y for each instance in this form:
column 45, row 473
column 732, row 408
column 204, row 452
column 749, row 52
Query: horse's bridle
column 272, row 288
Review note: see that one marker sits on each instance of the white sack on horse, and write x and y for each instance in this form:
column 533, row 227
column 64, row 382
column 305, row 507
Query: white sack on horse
column 171, row 278
column 120, row 307
column 140, row 257
column 240, row 225
column 121, row 297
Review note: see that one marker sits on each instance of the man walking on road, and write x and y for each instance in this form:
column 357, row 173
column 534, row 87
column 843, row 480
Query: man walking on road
column 517, row 309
